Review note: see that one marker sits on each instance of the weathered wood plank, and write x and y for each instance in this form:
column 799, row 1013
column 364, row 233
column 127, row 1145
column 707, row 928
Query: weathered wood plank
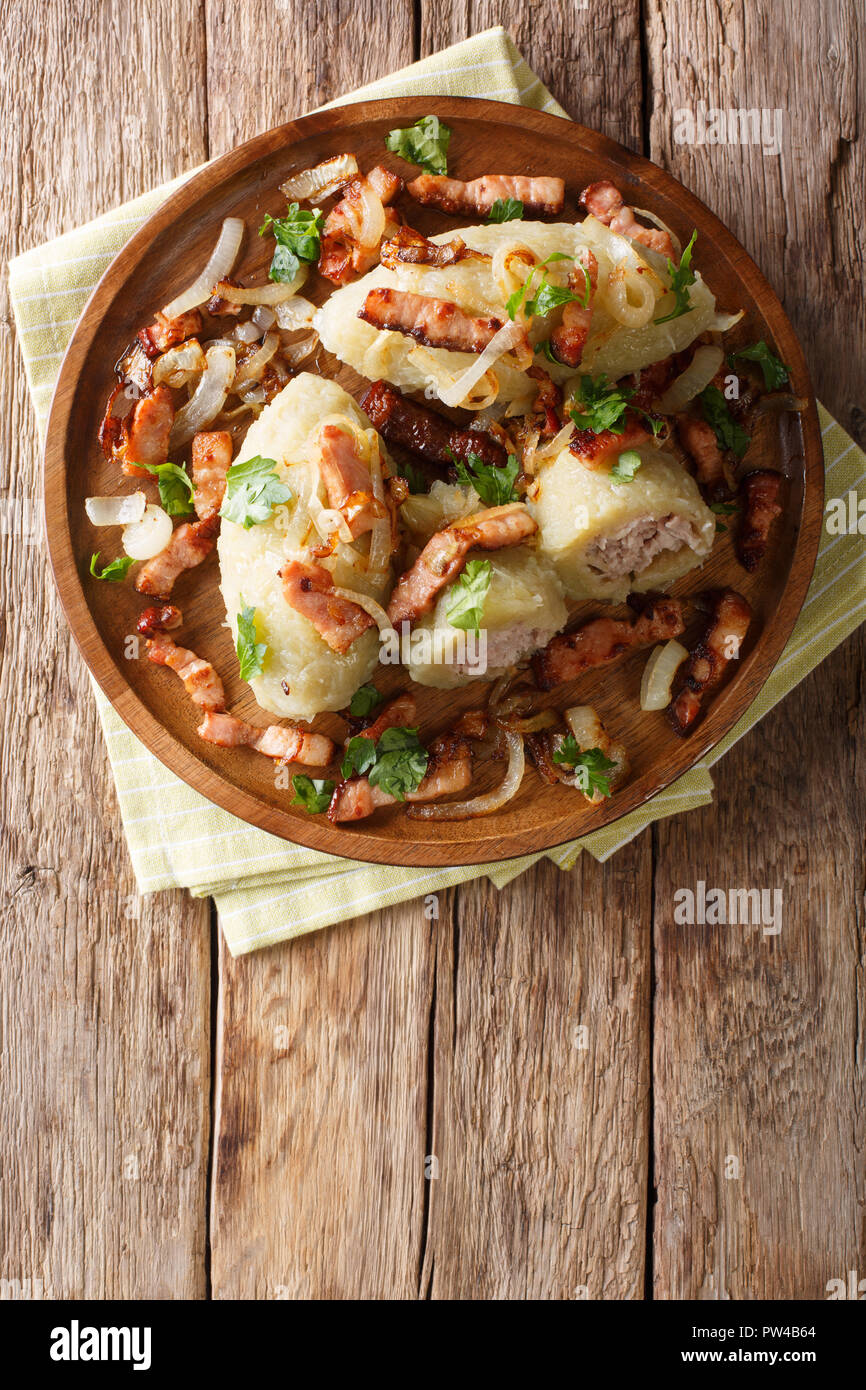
column 759, row 1044
column 104, row 1055
column 322, row 1044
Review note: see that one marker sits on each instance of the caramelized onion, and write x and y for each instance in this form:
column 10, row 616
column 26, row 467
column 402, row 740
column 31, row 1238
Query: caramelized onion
column 221, row 263
column 319, row 183
column 208, row 398
column 490, row 801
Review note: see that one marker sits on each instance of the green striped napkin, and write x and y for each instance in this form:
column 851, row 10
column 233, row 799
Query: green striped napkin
column 267, row 889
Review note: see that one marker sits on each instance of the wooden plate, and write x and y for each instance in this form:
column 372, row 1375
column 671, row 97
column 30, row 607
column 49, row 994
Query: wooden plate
column 166, row 254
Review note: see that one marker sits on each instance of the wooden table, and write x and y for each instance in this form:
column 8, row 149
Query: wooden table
column 549, row 1092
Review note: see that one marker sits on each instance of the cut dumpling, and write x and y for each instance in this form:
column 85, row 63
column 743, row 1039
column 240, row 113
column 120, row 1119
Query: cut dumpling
column 610, row 539
column 302, row 675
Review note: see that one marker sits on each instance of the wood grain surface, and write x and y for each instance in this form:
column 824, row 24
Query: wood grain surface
column 521, row 1044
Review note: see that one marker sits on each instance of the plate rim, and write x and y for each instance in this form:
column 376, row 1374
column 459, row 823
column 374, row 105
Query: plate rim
column 739, row 693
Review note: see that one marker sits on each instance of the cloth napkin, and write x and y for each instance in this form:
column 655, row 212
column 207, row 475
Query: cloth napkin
column 267, row 889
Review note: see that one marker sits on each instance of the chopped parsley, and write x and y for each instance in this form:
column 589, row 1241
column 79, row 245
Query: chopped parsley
column 723, row 509
column 505, row 210
column 532, row 305
column 298, row 237
column 468, row 593
column 397, row 762
column 364, row 700
column 681, row 277
column 414, row 477
column 598, row 406
column 775, row 372
column 175, row 487
column 311, row 793
column 114, row 571
column 494, row 485
column 424, row 143
column 253, row 489
column 251, row 654
column 727, row 431
column 626, row 466
column 592, row 769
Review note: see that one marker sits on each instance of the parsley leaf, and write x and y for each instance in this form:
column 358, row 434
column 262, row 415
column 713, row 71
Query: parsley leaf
column 590, row 765
column 775, row 372
column 414, row 477
column 424, row 143
column 467, row 596
column 725, row 427
column 253, row 489
column 598, row 406
column 494, row 485
column 681, row 277
column 175, row 487
column 251, row 653
column 311, row 793
column 505, row 210
column 626, row 466
column 298, row 237
column 515, row 300
column 397, row 763
column 723, row 509
column 114, row 571
column 364, row 700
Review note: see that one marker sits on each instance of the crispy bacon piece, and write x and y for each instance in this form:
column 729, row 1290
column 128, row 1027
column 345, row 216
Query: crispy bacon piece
column 211, row 461
column 284, row 742
column 547, row 401
column 347, row 480
column 600, row 640
column 189, row 545
column 425, row 431
column 143, row 435
column 544, row 194
column 569, row 339
column 444, row 556
column 760, row 500
column 728, row 624
column 308, row 589
column 449, row 770
column 699, row 441
column 399, row 713
column 600, row 451
column 219, row 307
column 408, row 247
column 651, row 382
column 435, row 322
column 200, row 680
column 162, row 618
column 342, row 257
column 158, row 337
column 605, row 202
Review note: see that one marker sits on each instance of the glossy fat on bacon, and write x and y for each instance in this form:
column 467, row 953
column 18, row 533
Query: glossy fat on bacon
column 161, row 618
column 425, row 431
column 728, row 624
column 759, row 492
column 449, row 770
column 569, row 339
column 347, row 480
column 399, row 713
column 200, row 680
column 342, row 257
column 436, row 322
column 444, row 556
column 147, row 432
column 601, row 451
column 284, row 742
column 165, row 333
column 699, row 441
column 601, row 640
column 408, row 247
column 605, row 202
column 211, row 461
column 537, row 195
column 309, row 590
column 189, row 545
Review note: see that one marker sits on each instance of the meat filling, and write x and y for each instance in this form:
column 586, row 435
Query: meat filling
column 632, row 549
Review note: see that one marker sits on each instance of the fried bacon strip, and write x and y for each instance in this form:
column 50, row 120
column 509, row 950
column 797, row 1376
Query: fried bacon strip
column 211, row 461
column 284, row 742
column 408, row 247
column 600, row 451
column 200, row 680
column 435, row 322
column 342, row 257
column 399, row 713
column 425, row 431
column 308, row 589
column 601, row 640
column 651, row 382
column 759, row 492
column 547, row 401
column 605, row 202
column 478, row 195
column 698, row 439
column 444, row 556
column 142, row 435
column 569, row 339
column 164, row 618
column 449, row 770
column 189, row 545
column 728, row 624
column 165, row 333
column 347, row 480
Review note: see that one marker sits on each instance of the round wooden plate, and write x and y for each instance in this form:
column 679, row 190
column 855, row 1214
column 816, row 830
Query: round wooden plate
column 167, row 253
